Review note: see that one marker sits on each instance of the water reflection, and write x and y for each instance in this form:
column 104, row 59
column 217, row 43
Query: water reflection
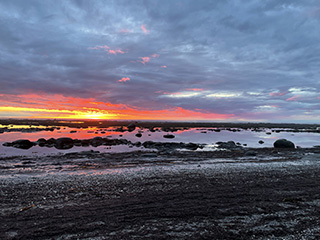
column 247, row 138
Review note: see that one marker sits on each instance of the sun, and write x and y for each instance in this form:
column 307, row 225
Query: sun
column 93, row 115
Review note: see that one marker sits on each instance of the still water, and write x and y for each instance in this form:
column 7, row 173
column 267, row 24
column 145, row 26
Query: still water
column 195, row 135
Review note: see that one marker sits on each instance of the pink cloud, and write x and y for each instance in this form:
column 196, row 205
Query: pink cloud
column 164, row 66
column 125, row 30
column 124, row 79
column 294, row 98
column 144, row 29
column 277, row 94
column 145, row 60
column 107, row 49
column 115, row 52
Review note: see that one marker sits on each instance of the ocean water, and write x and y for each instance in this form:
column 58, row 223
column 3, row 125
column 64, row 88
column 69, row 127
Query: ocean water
column 247, row 138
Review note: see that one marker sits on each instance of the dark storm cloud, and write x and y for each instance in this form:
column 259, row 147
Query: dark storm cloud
column 243, row 49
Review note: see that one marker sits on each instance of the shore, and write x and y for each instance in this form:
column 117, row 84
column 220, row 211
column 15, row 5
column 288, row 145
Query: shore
column 182, row 195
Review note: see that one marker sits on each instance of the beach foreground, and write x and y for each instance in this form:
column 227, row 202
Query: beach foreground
column 182, row 195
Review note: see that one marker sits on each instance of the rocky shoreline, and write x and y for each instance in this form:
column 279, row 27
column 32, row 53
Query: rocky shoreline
column 168, row 190
column 181, row 195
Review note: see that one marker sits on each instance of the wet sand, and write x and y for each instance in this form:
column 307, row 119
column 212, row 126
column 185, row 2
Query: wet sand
column 181, row 195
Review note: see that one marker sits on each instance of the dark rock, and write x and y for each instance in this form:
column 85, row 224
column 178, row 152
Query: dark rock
column 283, row 143
column 250, row 153
column 131, row 127
column 191, row 146
column 73, row 131
column 85, row 143
column 41, row 142
column 64, row 143
column 23, row 144
column 227, row 145
column 139, row 135
column 261, row 142
column 96, row 141
column 168, row 136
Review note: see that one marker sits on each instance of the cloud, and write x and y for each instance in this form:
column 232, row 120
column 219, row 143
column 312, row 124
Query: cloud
column 144, row 60
column 124, row 79
column 144, row 29
column 242, row 55
column 108, row 49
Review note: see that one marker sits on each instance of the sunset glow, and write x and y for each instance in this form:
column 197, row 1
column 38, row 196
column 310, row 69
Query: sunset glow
column 127, row 60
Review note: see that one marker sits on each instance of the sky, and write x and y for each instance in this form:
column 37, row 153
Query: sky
column 186, row 60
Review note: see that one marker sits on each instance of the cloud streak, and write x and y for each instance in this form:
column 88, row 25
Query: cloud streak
column 207, row 58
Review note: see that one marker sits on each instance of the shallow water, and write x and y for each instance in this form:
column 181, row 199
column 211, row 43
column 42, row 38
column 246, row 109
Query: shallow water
column 195, row 135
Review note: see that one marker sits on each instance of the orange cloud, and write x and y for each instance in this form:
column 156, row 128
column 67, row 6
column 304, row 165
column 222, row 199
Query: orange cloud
column 59, row 106
column 124, row 79
column 144, row 29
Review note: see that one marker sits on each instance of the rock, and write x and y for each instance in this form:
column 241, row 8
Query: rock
column 250, row 153
column 227, row 145
column 131, row 127
column 73, row 131
column 168, row 136
column 261, row 142
column 96, row 141
column 23, row 144
column 64, row 143
column 283, row 143
column 41, row 142
column 50, row 142
column 138, row 135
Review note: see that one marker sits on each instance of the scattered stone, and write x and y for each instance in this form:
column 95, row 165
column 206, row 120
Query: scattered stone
column 64, row 143
column 250, row 153
column 231, row 145
column 41, row 142
column 22, row 144
column 283, row 143
column 96, row 141
column 168, row 136
column 131, row 127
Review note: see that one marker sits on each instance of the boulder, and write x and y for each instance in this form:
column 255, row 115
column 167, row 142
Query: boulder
column 168, row 136
column 23, row 144
column 283, row 143
column 41, row 142
column 96, row 141
column 131, row 127
column 139, row 135
column 261, row 142
column 64, row 143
